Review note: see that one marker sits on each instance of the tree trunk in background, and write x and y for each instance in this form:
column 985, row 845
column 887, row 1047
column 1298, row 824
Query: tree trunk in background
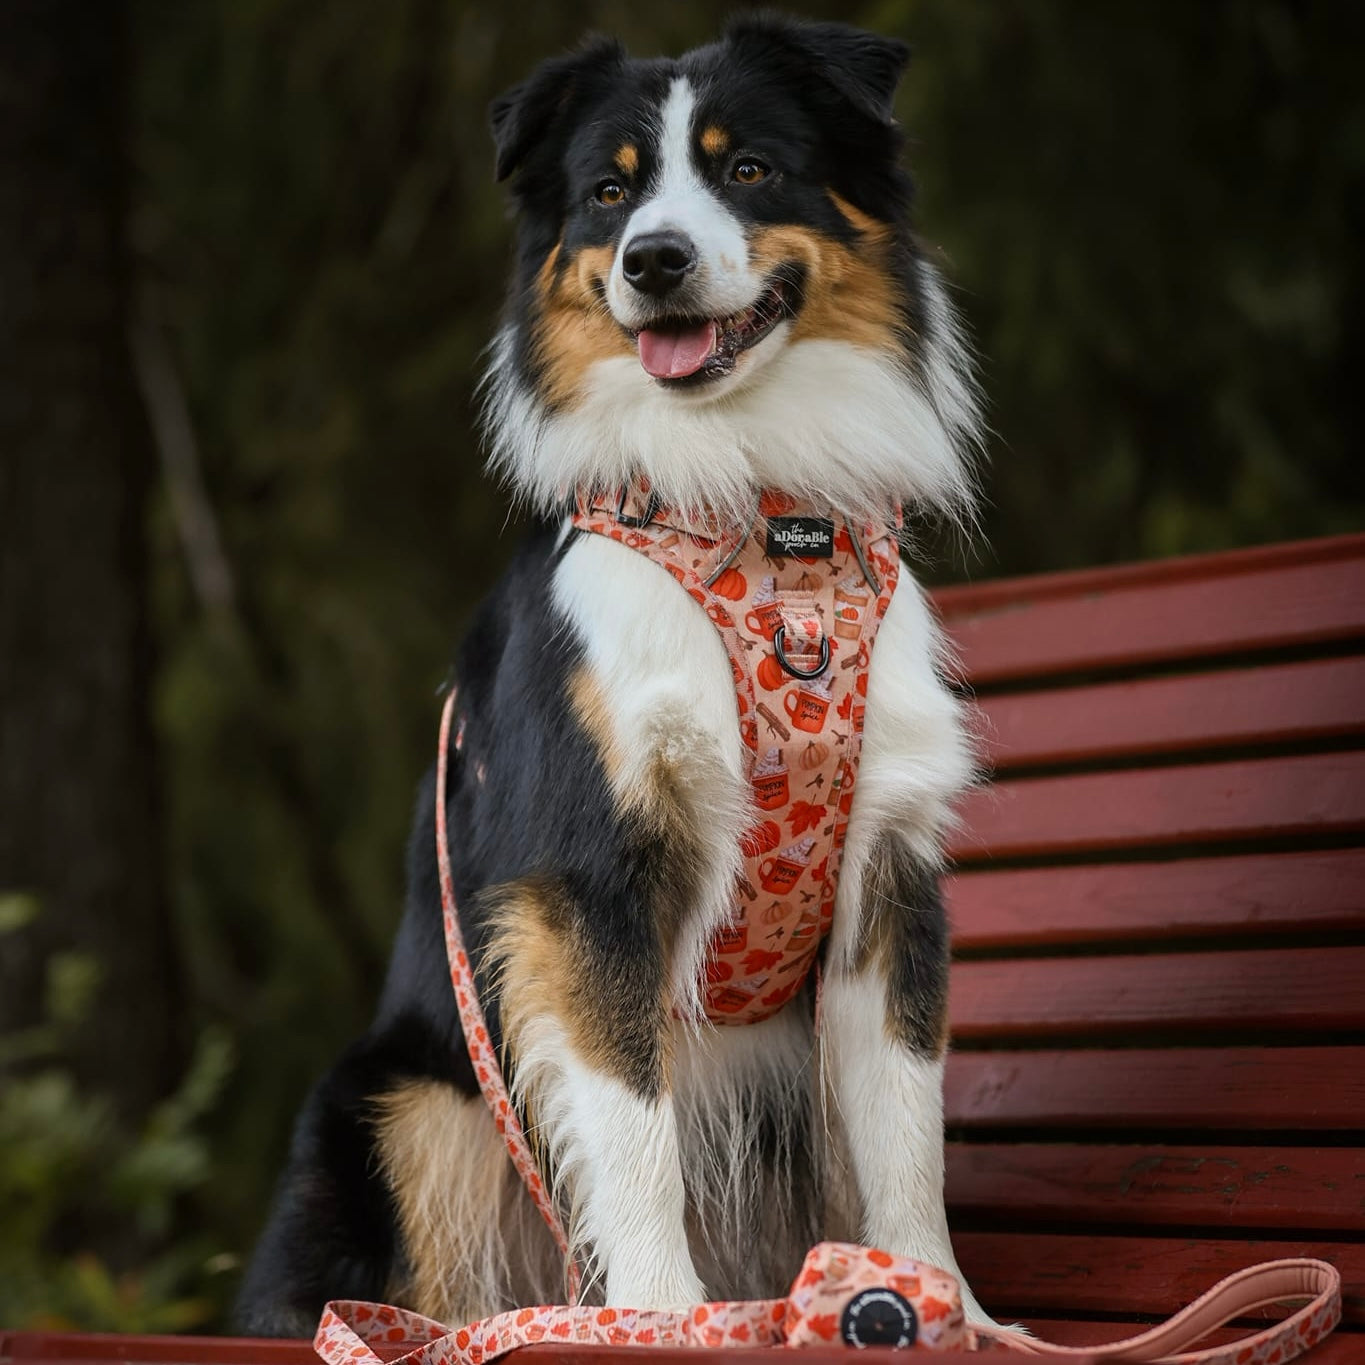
column 78, row 789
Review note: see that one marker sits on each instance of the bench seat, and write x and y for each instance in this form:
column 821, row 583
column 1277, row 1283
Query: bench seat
column 1158, row 990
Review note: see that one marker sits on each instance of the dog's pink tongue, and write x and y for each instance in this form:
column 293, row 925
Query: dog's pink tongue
column 675, row 355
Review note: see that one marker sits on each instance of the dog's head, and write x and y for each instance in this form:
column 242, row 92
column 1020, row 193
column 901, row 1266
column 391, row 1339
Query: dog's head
column 717, row 285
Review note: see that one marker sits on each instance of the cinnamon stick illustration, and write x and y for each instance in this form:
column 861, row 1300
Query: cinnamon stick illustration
column 774, row 724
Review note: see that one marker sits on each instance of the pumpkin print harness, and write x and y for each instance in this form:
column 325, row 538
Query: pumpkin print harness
column 797, row 599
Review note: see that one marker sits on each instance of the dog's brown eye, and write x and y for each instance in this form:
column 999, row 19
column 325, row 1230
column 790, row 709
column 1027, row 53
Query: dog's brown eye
column 610, row 193
column 750, row 172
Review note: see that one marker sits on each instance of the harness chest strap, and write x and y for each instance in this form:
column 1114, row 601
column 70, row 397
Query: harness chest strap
column 796, row 598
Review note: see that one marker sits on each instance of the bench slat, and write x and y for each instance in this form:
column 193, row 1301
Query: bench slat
column 1313, row 794
column 1324, row 698
column 1253, row 894
column 1044, row 1273
column 1222, row 1187
column 974, row 599
column 1124, row 627
column 1298, row 988
column 1277, row 1089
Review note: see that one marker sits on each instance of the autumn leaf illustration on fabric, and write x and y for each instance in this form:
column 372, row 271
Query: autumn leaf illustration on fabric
column 804, row 815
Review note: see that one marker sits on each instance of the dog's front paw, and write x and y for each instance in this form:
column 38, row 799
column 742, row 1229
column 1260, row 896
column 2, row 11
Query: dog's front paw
column 679, row 1291
column 1008, row 1329
column 978, row 1317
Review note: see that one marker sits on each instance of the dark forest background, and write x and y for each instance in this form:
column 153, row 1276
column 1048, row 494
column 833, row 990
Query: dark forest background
column 249, row 253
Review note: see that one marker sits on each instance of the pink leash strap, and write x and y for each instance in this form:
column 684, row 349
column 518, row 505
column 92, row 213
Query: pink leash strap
column 481, row 1052
column 1244, row 1291
column 822, row 1309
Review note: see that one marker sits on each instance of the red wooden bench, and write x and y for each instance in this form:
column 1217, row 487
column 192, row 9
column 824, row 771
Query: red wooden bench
column 1158, row 1002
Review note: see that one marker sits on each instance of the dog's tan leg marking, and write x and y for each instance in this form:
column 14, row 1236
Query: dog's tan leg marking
column 473, row 1243
column 545, row 966
column 590, row 1048
column 588, row 1034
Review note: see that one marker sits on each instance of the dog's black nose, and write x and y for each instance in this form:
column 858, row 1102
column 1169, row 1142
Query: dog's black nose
column 657, row 262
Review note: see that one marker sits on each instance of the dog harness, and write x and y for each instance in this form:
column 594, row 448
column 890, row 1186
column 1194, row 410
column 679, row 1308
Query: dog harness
column 797, row 598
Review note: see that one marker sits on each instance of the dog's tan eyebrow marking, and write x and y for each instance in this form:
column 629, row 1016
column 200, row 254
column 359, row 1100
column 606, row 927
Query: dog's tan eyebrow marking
column 627, row 158
column 714, row 140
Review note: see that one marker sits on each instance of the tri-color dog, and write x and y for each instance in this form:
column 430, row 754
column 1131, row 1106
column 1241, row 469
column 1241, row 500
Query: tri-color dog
column 718, row 298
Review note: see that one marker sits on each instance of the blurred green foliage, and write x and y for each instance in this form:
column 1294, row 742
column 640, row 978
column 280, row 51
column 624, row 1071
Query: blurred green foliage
column 1152, row 214
column 73, row 1175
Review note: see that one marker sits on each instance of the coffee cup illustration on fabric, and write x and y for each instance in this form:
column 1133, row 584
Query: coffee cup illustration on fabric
column 808, row 705
column 771, row 788
column 782, row 871
column 767, row 610
column 851, row 599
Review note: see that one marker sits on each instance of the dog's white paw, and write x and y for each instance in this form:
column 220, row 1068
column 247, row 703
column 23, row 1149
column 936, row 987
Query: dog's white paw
column 677, row 1292
column 1013, row 1329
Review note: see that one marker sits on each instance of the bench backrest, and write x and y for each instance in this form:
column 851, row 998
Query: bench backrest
column 1158, row 994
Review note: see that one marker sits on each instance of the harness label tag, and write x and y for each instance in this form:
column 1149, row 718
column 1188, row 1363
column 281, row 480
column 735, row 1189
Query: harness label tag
column 806, row 537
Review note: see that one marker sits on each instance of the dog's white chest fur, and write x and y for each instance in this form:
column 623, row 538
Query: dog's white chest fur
column 662, row 667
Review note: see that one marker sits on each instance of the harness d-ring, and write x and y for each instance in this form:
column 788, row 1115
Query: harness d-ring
column 779, row 635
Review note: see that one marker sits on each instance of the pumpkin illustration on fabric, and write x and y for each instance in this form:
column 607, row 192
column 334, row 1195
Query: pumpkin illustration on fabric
column 813, row 756
column 761, row 839
column 731, row 585
column 775, row 913
column 769, row 673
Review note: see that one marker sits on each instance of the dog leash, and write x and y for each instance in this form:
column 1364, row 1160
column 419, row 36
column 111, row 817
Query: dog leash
column 483, row 1056
column 845, row 1295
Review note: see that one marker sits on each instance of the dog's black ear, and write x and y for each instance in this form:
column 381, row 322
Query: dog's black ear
column 864, row 68
column 524, row 114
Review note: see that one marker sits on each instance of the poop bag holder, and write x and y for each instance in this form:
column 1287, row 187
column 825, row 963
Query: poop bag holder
column 845, row 1295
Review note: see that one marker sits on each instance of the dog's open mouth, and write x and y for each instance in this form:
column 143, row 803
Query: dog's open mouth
column 689, row 350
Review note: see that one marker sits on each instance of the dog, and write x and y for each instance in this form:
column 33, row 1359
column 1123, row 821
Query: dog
column 717, row 290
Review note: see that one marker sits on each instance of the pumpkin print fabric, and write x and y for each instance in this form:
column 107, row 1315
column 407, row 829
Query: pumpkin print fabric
column 839, row 1296
column 799, row 632
column 845, row 1295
